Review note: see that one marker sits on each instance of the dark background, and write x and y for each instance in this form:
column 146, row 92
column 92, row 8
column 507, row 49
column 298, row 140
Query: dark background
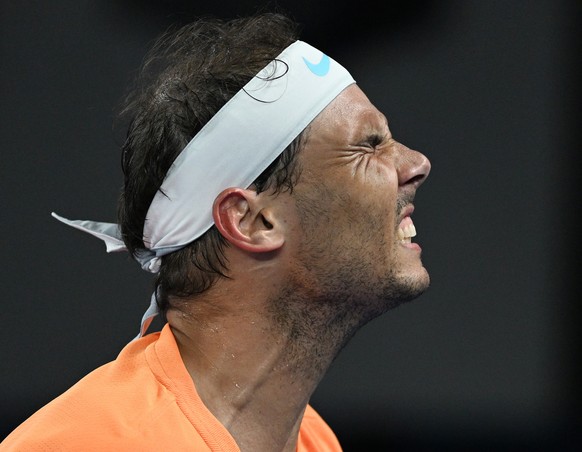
column 487, row 359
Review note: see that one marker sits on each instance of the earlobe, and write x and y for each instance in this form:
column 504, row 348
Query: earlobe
column 242, row 220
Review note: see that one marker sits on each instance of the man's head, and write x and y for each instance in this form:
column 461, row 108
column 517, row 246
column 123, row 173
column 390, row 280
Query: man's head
column 331, row 206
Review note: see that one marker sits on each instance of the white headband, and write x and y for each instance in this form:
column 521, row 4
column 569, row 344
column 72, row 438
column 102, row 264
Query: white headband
column 238, row 143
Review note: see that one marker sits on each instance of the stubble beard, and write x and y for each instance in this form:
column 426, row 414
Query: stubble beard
column 320, row 319
column 357, row 269
column 336, row 288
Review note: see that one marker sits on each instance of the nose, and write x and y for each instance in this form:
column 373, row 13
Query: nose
column 413, row 167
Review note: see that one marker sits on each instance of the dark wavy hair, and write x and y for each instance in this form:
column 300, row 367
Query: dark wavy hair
column 186, row 78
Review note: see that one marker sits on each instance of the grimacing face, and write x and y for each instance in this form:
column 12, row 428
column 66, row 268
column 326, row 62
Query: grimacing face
column 353, row 203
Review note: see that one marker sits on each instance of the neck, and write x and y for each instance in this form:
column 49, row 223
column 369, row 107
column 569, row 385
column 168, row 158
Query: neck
column 256, row 360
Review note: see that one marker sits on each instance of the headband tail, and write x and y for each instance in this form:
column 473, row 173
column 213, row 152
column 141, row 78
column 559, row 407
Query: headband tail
column 108, row 232
column 148, row 316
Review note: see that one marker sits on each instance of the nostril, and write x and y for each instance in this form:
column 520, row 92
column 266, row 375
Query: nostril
column 416, row 180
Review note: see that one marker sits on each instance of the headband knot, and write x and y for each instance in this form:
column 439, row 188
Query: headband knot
column 153, row 265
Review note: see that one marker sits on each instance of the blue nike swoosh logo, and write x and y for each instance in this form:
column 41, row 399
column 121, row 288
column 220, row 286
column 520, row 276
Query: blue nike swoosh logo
column 320, row 69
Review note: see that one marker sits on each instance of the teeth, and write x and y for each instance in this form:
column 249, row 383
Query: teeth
column 407, row 232
column 412, row 231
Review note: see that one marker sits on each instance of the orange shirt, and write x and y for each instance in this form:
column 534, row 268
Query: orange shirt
column 145, row 400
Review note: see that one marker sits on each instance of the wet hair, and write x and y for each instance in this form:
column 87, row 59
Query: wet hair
column 189, row 74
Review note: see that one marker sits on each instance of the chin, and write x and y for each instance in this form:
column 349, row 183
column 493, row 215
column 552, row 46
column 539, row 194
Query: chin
column 397, row 291
column 408, row 286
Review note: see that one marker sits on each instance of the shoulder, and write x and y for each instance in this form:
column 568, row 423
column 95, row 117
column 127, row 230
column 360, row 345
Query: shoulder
column 315, row 434
column 118, row 402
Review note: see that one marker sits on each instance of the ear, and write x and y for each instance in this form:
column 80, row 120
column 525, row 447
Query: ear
column 243, row 219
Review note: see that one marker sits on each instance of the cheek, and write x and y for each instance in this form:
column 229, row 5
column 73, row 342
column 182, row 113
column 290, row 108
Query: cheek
column 374, row 169
column 361, row 191
column 376, row 182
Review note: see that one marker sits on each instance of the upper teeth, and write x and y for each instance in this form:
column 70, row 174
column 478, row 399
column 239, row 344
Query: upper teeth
column 406, row 232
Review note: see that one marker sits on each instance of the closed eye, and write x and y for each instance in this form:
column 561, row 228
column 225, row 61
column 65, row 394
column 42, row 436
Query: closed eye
column 372, row 141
